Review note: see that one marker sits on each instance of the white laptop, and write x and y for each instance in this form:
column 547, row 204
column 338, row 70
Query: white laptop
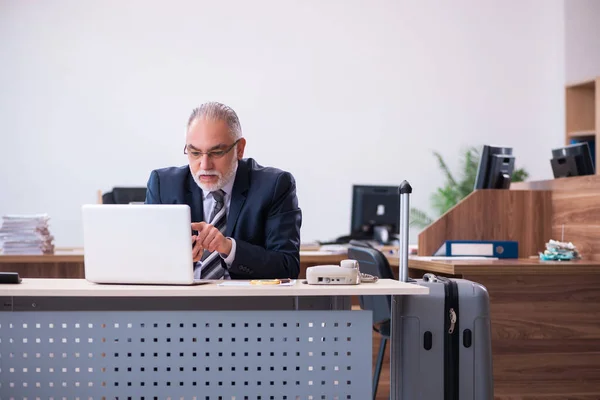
column 138, row 244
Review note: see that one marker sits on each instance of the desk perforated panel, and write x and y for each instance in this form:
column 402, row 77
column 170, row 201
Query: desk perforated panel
column 202, row 355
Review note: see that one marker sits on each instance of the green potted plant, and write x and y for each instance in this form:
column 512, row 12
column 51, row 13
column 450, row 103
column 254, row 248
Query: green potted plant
column 454, row 190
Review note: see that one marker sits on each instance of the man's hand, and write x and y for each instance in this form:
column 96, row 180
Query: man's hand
column 197, row 250
column 208, row 238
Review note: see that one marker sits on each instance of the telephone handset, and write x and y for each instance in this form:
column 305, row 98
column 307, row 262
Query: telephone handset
column 347, row 273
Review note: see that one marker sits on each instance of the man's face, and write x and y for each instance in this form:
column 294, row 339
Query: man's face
column 213, row 170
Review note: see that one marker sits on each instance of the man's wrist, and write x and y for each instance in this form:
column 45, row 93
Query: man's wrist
column 231, row 256
column 226, row 250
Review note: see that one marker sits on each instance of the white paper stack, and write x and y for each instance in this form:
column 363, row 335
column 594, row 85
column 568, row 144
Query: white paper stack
column 26, row 234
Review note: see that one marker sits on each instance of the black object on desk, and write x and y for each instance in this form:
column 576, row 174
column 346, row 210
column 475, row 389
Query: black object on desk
column 124, row 195
column 9, row 277
column 573, row 160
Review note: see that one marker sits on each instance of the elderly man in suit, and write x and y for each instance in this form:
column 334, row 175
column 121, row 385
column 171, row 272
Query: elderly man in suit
column 246, row 215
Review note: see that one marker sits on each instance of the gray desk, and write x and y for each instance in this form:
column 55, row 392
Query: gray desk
column 67, row 338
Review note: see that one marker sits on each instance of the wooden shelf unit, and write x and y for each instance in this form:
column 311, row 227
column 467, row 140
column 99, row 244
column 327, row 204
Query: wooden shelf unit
column 582, row 103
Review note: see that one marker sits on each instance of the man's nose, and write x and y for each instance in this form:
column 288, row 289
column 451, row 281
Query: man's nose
column 206, row 162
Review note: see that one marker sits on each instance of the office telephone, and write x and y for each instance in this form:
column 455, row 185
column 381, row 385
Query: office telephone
column 347, row 273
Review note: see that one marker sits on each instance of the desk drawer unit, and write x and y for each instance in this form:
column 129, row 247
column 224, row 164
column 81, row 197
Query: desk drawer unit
column 132, row 348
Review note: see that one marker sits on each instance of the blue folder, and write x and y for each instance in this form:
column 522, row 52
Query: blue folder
column 479, row 248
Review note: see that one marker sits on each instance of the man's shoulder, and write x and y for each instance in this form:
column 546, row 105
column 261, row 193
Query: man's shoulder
column 172, row 172
column 169, row 179
column 264, row 172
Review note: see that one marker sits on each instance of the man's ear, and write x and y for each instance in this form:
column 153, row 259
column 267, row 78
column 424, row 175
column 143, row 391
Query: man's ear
column 240, row 148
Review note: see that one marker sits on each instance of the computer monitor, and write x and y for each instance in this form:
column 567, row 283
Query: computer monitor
column 375, row 213
column 572, row 160
column 495, row 168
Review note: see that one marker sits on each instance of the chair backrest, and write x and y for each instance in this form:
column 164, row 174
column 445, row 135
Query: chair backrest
column 372, row 261
column 124, row 195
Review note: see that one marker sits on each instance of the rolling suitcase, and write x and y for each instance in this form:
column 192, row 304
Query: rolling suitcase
column 444, row 348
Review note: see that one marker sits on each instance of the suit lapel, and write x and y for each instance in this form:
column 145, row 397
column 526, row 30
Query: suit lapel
column 194, row 200
column 238, row 196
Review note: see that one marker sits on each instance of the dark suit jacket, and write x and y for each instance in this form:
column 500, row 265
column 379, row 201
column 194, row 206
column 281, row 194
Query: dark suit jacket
column 263, row 217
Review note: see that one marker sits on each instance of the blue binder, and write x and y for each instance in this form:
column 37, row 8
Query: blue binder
column 479, row 248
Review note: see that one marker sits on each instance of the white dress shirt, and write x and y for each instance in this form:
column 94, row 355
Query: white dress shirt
column 209, row 203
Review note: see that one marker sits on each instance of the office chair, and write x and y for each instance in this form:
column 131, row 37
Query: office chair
column 373, row 262
column 124, row 195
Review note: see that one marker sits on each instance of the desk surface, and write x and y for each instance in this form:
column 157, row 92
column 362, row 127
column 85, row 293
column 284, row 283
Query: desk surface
column 81, row 287
column 76, row 256
column 59, row 256
column 521, row 266
column 455, row 267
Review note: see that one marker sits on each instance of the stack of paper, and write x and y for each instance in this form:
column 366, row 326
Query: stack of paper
column 26, row 234
column 559, row 251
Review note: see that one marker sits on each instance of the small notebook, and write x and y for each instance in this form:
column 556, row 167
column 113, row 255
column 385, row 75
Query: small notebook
column 259, row 282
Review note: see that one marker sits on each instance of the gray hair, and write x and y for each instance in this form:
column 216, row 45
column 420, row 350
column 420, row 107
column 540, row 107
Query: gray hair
column 219, row 112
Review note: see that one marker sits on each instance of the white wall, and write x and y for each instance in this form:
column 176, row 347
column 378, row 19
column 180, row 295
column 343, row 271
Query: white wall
column 96, row 94
column 582, row 40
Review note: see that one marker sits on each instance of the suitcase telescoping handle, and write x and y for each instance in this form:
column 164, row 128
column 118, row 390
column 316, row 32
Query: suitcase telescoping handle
column 405, row 191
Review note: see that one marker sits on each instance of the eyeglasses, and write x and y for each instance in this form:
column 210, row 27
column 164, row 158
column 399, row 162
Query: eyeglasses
column 214, row 154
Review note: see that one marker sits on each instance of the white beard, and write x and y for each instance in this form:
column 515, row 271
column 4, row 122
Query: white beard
column 222, row 180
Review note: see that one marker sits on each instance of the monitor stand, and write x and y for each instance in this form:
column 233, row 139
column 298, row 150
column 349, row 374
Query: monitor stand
column 503, row 181
column 381, row 234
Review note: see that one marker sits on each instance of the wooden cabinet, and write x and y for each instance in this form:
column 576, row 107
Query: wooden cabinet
column 582, row 102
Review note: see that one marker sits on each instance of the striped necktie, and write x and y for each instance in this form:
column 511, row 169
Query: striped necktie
column 211, row 267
